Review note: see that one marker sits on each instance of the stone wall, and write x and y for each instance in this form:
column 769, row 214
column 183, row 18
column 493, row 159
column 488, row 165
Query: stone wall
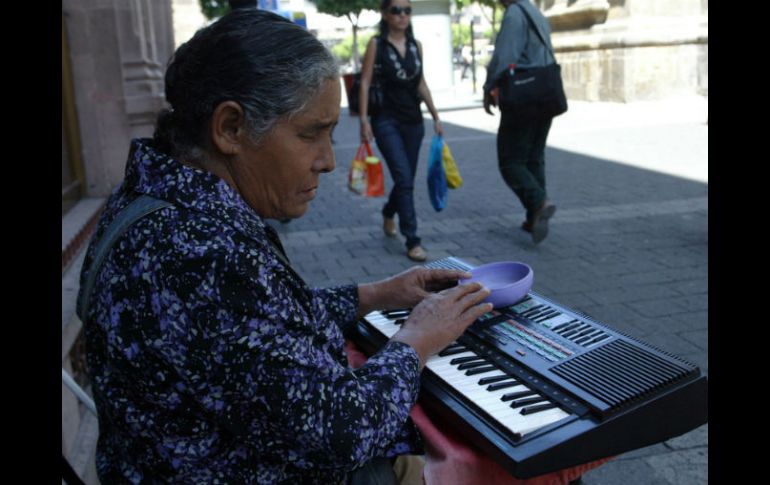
column 626, row 50
column 118, row 50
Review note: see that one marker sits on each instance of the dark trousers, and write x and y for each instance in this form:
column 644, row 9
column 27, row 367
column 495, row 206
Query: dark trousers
column 378, row 471
column 400, row 144
column 521, row 158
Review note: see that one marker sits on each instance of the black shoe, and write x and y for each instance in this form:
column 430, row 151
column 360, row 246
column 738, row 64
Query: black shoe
column 539, row 223
column 526, row 226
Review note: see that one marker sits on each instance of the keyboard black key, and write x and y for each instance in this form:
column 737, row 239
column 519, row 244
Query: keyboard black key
column 396, row 313
column 537, row 408
column 515, row 395
column 453, row 350
column 472, row 365
column 480, row 370
column 462, row 360
column 528, row 400
column 489, row 380
column 502, row 385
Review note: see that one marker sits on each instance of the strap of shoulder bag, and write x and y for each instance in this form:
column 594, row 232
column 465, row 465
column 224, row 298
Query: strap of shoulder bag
column 537, row 30
column 138, row 208
column 377, row 55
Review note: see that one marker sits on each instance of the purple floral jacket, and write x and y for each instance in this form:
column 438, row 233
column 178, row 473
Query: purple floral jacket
column 213, row 362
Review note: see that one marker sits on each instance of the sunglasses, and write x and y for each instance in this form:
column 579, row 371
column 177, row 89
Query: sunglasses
column 400, row 10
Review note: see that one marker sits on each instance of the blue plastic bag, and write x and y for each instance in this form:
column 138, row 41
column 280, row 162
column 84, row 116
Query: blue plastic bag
column 437, row 186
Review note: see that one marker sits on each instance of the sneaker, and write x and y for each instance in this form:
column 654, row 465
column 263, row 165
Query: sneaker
column 539, row 224
column 389, row 226
column 526, row 227
column 417, row 253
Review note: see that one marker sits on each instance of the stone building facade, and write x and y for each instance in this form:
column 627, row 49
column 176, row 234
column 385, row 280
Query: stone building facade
column 117, row 50
column 629, row 50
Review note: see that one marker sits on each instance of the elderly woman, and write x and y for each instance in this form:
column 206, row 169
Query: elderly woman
column 212, row 360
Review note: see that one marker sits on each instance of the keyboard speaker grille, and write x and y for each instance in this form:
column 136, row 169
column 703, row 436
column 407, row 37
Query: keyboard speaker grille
column 619, row 373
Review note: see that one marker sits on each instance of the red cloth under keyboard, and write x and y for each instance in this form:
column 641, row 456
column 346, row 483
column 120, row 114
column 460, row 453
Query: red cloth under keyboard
column 450, row 460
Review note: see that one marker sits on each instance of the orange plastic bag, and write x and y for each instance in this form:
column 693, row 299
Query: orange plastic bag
column 365, row 176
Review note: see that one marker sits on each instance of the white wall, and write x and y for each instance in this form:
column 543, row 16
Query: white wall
column 432, row 27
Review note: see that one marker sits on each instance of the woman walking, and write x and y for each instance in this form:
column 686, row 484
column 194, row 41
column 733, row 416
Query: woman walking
column 398, row 126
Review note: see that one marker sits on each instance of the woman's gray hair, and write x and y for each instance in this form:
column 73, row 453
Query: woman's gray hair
column 270, row 66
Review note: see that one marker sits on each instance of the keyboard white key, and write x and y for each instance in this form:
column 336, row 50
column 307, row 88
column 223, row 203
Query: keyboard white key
column 490, row 401
column 383, row 324
column 468, row 386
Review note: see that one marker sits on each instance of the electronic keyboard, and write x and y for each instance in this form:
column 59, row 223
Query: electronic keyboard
column 540, row 387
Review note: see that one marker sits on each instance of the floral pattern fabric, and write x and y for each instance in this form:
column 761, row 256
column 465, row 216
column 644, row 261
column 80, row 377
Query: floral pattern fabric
column 213, row 362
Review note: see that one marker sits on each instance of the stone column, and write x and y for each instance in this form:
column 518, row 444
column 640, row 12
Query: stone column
column 119, row 49
column 432, row 27
column 144, row 51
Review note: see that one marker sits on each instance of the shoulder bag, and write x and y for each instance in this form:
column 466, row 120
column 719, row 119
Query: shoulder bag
column 376, row 94
column 533, row 93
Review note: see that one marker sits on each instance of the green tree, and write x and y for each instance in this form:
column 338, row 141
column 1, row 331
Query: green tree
column 461, row 35
column 352, row 10
column 344, row 50
column 213, row 9
column 495, row 7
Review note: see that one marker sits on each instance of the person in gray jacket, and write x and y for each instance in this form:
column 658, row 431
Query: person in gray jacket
column 521, row 143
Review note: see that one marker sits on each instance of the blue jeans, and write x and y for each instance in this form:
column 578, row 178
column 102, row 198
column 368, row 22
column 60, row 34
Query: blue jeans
column 521, row 158
column 400, row 144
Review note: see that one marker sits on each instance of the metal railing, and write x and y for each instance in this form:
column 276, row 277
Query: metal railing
column 78, row 391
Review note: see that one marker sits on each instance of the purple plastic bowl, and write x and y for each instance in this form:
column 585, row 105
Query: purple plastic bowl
column 508, row 281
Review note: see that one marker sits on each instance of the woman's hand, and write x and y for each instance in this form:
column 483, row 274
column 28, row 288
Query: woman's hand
column 438, row 128
column 366, row 130
column 442, row 317
column 406, row 289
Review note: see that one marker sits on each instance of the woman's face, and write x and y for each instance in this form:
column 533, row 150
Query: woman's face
column 278, row 177
column 396, row 14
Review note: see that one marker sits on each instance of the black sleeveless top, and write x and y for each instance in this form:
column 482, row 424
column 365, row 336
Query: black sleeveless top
column 400, row 77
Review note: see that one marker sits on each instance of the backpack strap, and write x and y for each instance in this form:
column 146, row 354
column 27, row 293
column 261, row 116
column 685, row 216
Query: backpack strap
column 138, row 208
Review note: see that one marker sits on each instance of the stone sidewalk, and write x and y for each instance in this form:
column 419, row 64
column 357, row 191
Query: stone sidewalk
column 628, row 244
